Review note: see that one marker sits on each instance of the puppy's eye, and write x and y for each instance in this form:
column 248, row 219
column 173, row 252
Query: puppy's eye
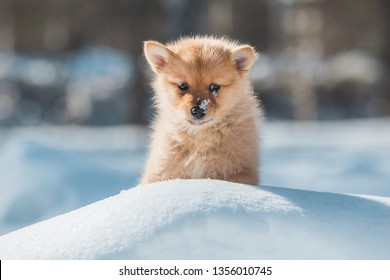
column 183, row 86
column 214, row 88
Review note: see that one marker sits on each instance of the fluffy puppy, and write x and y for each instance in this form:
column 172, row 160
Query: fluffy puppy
column 207, row 117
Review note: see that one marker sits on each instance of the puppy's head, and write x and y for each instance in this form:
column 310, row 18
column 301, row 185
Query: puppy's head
column 199, row 80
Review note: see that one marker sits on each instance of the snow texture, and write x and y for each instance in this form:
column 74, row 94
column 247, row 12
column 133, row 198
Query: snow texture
column 207, row 219
column 341, row 156
column 203, row 105
column 48, row 171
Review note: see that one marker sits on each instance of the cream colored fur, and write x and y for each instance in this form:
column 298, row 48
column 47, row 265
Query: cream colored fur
column 225, row 144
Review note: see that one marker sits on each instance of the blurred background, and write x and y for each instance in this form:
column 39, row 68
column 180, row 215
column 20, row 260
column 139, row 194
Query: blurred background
column 75, row 94
column 81, row 62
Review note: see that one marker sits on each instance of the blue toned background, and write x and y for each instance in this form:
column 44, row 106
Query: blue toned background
column 75, row 95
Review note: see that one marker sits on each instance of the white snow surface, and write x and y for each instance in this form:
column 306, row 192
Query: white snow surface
column 209, row 219
column 48, row 171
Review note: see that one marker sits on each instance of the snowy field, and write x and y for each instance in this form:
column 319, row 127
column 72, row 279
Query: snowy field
column 47, row 171
column 207, row 219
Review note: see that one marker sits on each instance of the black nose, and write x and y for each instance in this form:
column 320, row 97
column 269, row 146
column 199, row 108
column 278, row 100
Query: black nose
column 198, row 112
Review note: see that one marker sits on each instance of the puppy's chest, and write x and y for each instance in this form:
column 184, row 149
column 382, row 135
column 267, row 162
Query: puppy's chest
column 197, row 162
column 197, row 157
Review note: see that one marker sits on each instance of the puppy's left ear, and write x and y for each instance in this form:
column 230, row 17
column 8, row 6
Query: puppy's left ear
column 243, row 58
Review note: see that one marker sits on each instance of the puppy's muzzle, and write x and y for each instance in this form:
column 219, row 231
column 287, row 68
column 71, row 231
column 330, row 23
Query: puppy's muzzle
column 198, row 112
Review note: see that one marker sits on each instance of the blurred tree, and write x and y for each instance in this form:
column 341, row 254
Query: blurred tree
column 7, row 25
column 56, row 29
column 384, row 100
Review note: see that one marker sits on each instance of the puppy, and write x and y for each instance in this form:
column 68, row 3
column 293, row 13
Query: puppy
column 207, row 117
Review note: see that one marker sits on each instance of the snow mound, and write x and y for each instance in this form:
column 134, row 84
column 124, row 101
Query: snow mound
column 209, row 219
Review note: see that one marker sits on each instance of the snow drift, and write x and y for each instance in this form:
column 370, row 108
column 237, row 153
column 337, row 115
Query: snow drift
column 50, row 170
column 209, row 219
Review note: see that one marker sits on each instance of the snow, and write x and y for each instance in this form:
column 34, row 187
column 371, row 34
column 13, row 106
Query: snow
column 343, row 157
column 203, row 105
column 47, row 171
column 203, row 219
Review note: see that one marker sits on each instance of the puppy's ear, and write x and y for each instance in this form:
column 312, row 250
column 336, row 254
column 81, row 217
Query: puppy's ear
column 243, row 58
column 157, row 55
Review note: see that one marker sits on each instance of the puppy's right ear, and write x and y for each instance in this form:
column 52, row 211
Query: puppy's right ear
column 157, row 55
